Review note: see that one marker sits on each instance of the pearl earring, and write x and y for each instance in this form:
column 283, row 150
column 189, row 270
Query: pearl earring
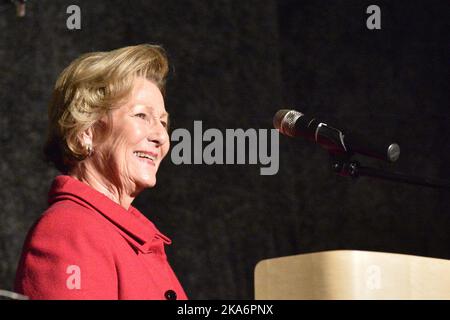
column 89, row 149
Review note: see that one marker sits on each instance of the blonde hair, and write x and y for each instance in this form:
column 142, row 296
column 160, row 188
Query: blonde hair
column 89, row 88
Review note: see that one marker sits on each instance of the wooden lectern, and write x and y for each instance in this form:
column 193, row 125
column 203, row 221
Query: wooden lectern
column 347, row 274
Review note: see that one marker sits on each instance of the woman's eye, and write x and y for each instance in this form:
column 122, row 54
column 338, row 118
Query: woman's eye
column 164, row 124
column 141, row 115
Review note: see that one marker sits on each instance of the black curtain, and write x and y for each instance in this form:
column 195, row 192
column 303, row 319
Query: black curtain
column 233, row 65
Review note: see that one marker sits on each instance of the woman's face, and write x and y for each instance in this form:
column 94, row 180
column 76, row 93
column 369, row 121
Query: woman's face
column 139, row 139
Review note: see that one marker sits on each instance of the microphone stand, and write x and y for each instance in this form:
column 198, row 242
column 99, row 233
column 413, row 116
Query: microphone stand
column 343, row 165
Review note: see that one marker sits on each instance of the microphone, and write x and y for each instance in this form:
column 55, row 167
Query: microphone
column 295, row 124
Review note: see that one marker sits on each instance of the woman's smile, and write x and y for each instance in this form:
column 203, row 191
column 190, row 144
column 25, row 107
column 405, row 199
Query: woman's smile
column 146, row 157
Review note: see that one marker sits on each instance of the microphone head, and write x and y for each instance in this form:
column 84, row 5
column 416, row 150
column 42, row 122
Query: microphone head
column 284, row 121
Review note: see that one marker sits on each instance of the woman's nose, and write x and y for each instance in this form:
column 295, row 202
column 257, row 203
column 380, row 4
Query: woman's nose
column 158, row 134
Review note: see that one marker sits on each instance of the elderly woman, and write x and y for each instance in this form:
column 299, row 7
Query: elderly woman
column 107, row 136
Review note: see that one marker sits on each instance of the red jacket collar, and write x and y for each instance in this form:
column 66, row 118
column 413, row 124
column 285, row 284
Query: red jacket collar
column 133, row 225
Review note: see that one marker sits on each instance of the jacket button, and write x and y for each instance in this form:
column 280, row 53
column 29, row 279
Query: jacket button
column 170, row 295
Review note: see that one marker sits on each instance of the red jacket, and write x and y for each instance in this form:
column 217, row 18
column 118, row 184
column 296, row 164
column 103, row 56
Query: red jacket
column 86, row 246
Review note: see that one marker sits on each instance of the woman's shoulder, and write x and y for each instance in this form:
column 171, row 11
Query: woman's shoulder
column 68, row 217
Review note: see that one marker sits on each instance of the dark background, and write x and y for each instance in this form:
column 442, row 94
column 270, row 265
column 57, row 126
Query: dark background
column 234, row 64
